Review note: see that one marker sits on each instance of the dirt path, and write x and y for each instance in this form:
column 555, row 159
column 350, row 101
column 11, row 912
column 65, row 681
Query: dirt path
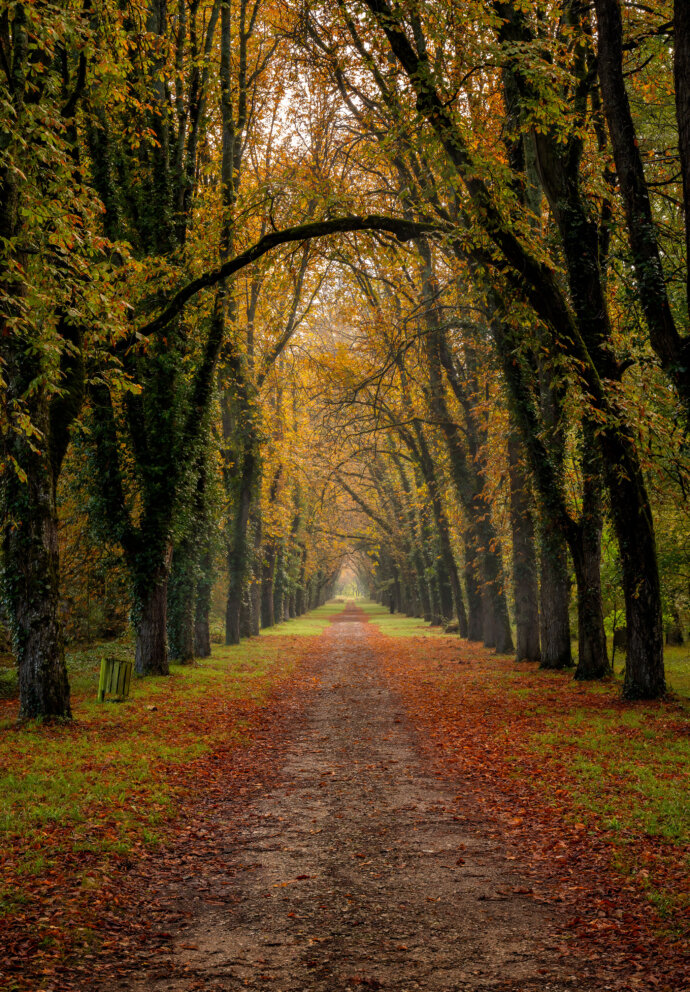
column 360, row 869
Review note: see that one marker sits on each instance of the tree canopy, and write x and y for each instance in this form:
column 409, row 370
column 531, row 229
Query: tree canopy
column 397, row 290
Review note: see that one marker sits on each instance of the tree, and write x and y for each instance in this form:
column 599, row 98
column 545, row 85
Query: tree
column 51, row 257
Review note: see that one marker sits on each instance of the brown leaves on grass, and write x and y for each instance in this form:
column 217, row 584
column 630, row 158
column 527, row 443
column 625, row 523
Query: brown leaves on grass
column 508, row 740
column 81, row 906
column 482, row 727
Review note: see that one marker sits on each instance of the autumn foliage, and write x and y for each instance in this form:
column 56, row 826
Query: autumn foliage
column 384, row 299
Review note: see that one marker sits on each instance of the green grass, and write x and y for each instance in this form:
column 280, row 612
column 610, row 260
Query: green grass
column 635, row 754
column 625, row 773
column 395, row 624
column 628, row 766
column 102, row 784
column 105, row 783
column 310, row 625
column 677, row 665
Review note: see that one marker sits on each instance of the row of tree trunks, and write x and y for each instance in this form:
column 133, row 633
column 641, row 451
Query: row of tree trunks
column 182, row 603
column 202, row 608
column 525, row 574
column 488, row 611
column 577, row 321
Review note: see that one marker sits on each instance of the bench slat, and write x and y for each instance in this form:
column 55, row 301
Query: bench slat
column 115, row 677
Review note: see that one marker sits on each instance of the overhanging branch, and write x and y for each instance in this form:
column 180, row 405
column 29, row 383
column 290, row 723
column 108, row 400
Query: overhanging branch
column 403, row 230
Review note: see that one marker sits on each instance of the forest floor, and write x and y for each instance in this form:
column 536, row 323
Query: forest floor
column 383, row 810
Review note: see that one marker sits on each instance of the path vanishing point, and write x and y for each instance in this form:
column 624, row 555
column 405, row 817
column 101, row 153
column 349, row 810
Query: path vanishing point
column 356, row 871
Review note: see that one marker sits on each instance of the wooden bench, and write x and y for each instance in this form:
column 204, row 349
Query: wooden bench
column 116, row 676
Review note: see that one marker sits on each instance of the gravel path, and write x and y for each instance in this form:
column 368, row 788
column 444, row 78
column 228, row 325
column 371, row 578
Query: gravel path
column 360, row 869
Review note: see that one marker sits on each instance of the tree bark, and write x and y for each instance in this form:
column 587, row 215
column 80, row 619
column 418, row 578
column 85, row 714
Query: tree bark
column 681, row 76
column 672, row 350
column 30, row 558
column 554, row 600
column 644, row 670
column 496, row 622
column 257, row 564
column 445, row 590
column 233, row 603
column 525, row 571
column 300, row 603
column 475, row 603
column 416, row 551
column 181, row 608
column 593, row 662
column 202, row 631
column 427, row 542
column 451, row 601
column 31, row 586
column 151, row 599
column 246, row 613
column 267, row 598
column 279, row 586
column 238, row 550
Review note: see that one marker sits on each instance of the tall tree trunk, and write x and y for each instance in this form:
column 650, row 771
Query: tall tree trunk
column 246, row 616
column 255, row 582
column 593, row 662
column 408, row 599
column 445, row 590
column 181, row 606
column 150, row 608
column 31, row 587
column 554, row 600
column 205, row 572
column 300, row 602
column 525, row 571
column 233, row 602
column 239, row 550
column 451, row 601
column 426, row 597
column 255, row 597
column 202, row 631
column 30, row 560
column 496, row 627
column 416, row 542
column 554, row 590
column 267, row 581
column 430, row 568
column 423, row 590
column 473, row 586
column 279, row 586
column 672, row 349
column 681, row 76
column 644, row 669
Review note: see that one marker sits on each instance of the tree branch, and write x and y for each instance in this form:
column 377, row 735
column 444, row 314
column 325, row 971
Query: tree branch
column 403, row 230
